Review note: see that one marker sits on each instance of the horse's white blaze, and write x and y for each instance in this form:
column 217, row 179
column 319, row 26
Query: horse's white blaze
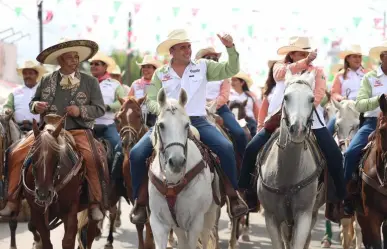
column 235, row 111
column 130, row 111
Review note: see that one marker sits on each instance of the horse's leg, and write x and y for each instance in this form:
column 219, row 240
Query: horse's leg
column 314, row 220
column 149, row 243
column 92, row 230
column 12, row 227
column 345, row 231
column 44, row 232
column 160, row 232
column 357, row 235
column 245, row 231
column 273, row 228
column 194, row 232
column 370, row 229
column 384, row 231
column 117, row 222
column 140, row 236
column 37, row 240
column 216, row 227
column 301, row 229
column 235, row 223
column 71, row 227
column 171, row 240
column 112, row 218
column 182, row 238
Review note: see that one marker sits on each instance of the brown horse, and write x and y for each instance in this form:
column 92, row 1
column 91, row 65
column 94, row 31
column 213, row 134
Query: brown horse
column 373, row 173
column 52, row 178
column 132, row 128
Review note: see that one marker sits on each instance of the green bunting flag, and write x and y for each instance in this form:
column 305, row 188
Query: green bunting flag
column 117, row 5
column 176, row 11
column 18, row 11
column 111, row 19
column 356, row 21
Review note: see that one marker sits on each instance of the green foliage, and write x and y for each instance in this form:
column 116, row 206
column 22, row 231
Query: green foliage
column 134, row 71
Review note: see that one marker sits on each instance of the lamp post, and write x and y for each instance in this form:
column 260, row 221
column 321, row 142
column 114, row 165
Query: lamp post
column 40, row 18
column 128, row 58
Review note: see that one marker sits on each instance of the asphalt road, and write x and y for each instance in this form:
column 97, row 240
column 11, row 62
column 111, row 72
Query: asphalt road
column 126, row 236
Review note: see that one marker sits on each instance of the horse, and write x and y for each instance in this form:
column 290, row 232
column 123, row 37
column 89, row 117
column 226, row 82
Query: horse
column 132, row 127
column 373, row 194
column 239, row 111
column 180, row 182
column 52, row 179
column 288, row 183
column 10, row 133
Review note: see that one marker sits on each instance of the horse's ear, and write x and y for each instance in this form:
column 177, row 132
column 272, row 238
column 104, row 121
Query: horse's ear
column 336, row 104
column 141, row 100
column 35, row 128
column 383, row 103
column 183, row 97
column 161, row 97
column 122, row 101
column 57, row 130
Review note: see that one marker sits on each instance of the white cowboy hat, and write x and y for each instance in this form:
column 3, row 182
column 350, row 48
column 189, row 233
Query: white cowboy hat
column 177, row 36
column 205, row 51
column 105, row 59
column 149, row 60
column 85, row 49
column 32, row 65
column 353, row 49
column 296, row 43
column 117, row 70
column 376, row 51
column 244, row 76
column 274, row 59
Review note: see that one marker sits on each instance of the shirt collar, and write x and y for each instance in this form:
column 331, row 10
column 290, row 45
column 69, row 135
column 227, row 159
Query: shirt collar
column 169, row 65
column 71, row 75
column 379, row 72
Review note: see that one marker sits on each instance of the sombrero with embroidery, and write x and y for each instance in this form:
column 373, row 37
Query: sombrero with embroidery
column 353, row 49
column 34, row 66
column 105, row 59
column 205, row 51
column 376, row 51
column 244, row 76
column 296, row 44
column 149, row 60
column 177, row 36
column 85, row 49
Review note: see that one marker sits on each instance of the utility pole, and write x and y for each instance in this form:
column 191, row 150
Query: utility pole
column 40, row 18
column 384, row 24
column 128, row 58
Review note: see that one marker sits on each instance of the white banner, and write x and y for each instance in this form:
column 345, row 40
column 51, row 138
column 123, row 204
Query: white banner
column 8, row 65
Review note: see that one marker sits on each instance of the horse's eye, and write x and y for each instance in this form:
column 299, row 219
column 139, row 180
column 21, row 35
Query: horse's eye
column 311, row 99
column 161, row 125
column 286, row 98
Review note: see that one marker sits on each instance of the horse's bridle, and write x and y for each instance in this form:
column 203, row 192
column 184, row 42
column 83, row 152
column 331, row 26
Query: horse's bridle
column 162, row 148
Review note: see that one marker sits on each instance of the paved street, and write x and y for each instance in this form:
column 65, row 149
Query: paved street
column 126, row 236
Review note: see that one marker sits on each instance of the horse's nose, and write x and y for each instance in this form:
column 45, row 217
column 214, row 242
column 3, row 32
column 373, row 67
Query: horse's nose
column 176, row 163
column 297, row 128
column 43, row 193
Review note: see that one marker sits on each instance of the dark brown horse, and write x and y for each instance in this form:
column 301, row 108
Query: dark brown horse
column 373, row 185
column 52, row 184
column 132, row 127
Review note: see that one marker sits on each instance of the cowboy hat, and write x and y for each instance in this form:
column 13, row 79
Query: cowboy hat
column 337, row 67
column 205, row 51
column 149, row 60
column 376, row 51
column 353, row 49
column 105, row 59
column 117, row 70
column 296, row 43
column 32, row 65
column 274, row 59
column 85, row 49
column 244, row 76
column 177, row 36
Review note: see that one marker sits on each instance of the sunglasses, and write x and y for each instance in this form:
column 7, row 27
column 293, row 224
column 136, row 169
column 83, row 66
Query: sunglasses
column 96, row 64
column 214, row 58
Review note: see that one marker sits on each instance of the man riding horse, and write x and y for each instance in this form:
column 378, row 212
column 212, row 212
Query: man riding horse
column 19, row 99
column 192, row 76
column 65, row 91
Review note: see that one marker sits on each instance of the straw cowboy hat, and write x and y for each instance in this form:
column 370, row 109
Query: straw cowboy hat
column 296, row 43
column 34, row 66
column 244, row 76
column 177, row 36
column 117, row 70
column 274, row 59
column 149, row 60
column 337, row 67
column 205, row 51
column 376, row 51
column 85, row 49
column 105, row 59
column 353, row 49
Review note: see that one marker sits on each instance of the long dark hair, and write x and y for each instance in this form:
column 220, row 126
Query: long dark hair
column 270, row 82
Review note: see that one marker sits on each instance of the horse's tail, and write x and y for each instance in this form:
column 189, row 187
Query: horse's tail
column 83, row 219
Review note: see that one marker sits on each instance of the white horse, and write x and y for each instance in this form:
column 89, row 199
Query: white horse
column 191, row 211
column 288, row 172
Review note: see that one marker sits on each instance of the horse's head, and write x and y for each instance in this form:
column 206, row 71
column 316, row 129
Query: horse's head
column 48, row 147
column 382, row 122
column 170, row 135
column 347, row 121
column 10, row 132
column 298, row 105
column 212, row 116
column 238, row 109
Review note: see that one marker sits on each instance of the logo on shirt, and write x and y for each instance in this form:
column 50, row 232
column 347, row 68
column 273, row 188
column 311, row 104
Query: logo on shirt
column 378, row 83
column 166, row 77
column 195, row 71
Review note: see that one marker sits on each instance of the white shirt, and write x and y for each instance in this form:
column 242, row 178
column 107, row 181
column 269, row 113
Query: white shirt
column 351, row 85
column 213, row 89
column 234, row 96
column 108, row 88
column 21, row 99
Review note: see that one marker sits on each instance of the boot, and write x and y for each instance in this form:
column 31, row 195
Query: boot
column 252, row 201
column 9, row 210
column 236, row 206
column 139, row 213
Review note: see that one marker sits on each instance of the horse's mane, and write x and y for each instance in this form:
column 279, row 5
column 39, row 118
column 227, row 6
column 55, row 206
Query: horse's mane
column 350, row 104
column 46, row 140
column 133, row 100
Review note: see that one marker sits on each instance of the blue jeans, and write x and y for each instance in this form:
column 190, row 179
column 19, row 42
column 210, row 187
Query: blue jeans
column 209, row 136
column 110, row 133
column 250, row 157
column 252, row 126
column 353, row 154
column 235, row 129
column 331, row 125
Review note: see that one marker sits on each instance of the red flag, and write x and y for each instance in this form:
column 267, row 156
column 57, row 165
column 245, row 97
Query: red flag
column 78, row 2
column 95, row 18
column 49, row 17
column 377, row 21
column 89, row 29
column 137, row 7
column 195, row 11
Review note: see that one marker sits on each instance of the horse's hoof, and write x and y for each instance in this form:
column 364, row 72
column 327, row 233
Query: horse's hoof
column 97, row 237
column 171, row 244
column 117, row 223
column 37, row 245
column 13, row 247
column 325, row 244
column 246, row 237
column 108, row 246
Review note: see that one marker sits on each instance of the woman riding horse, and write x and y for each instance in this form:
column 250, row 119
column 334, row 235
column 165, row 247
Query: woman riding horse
column 220, row 91
column 241, row 83
column 299, row 58
column 347, row 81
column 373, row 85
